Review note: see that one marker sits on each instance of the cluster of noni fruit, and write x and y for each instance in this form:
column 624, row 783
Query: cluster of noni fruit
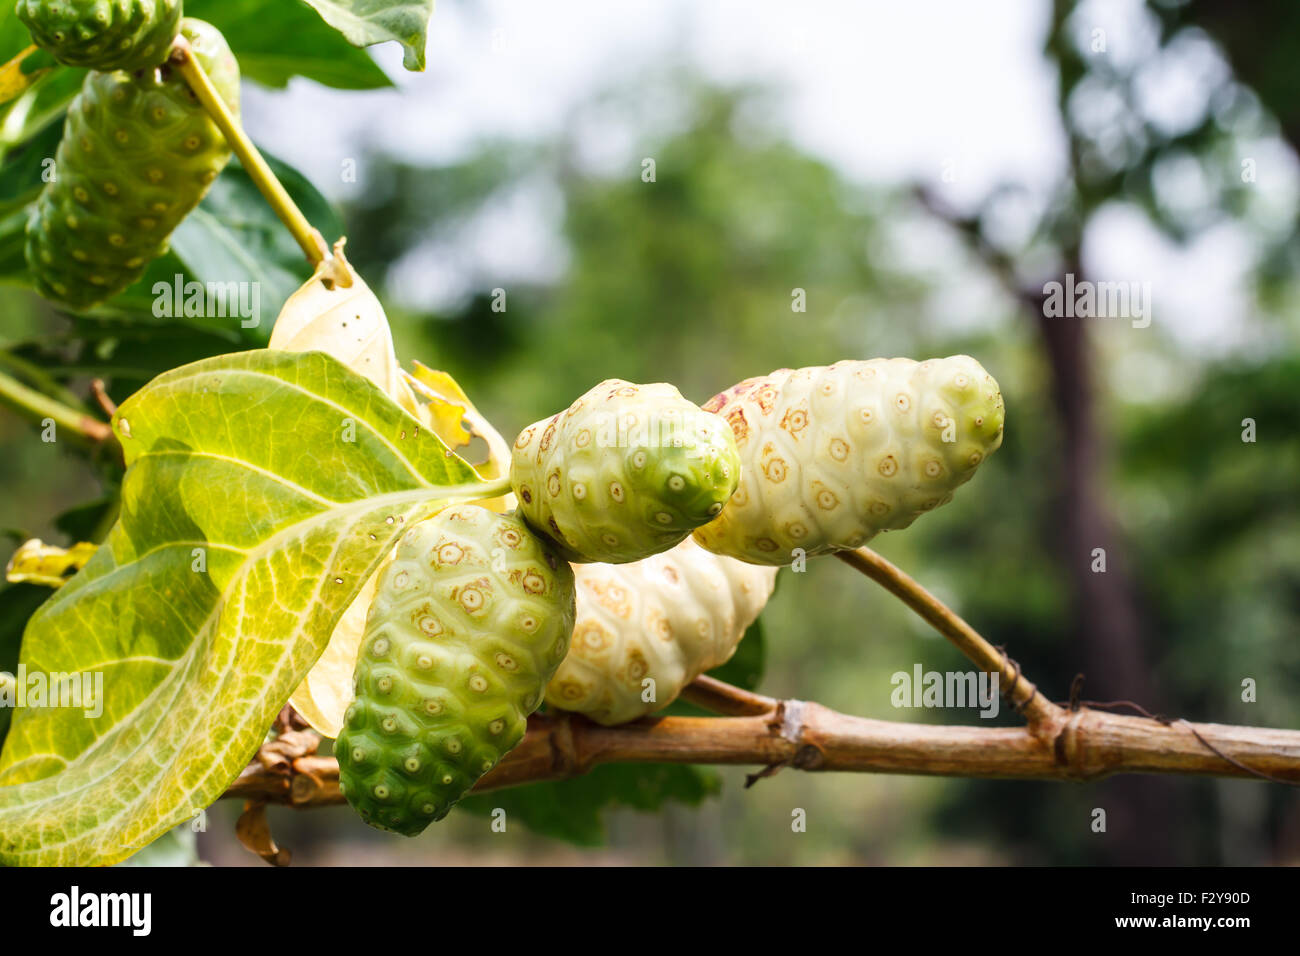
column 646, row 539
column 138, row 150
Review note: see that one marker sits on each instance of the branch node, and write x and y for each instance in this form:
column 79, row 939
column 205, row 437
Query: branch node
column 304, row 785
column 565, row 760
column 1066, row 750
column 809, row 757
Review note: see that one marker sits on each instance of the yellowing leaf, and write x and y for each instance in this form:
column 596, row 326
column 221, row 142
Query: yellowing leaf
column 445, row 399
column 39, row 563
column 239, row 463
column 325, row 693
column 18, row 75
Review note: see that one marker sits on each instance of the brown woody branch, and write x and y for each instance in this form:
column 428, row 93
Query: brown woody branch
column 1058, row 744
column 1081, row 745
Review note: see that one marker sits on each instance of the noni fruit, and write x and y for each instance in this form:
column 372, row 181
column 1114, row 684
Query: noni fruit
column 138, row 153
column 647, row 629
column 470, row 619
column 833, row 455
column 625, row 472
column 103, row 34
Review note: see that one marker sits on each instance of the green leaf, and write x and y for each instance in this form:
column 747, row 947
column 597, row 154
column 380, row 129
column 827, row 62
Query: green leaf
column 13, row 265
column 292, row 476
column 364, row 22
column 571, row 809
column 13, row 35
column 20, row 175
column 280, row 40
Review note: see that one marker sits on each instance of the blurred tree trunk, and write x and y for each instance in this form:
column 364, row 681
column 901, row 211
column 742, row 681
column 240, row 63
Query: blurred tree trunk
column 1143, row 813
column 1109, row 633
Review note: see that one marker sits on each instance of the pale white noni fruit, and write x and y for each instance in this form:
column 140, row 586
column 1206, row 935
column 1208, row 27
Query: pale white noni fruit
column 833, row 455
column 667, row 619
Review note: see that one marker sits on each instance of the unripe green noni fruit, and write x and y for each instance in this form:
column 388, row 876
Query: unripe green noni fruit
column 469, row 621
column 831, row 456
column 665, row 619
column 625, row 472
column 103, row 34
column 138, row 153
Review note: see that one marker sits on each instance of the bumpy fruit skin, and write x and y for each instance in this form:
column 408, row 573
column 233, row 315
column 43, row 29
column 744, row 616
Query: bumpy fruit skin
column 669, row 617
column 103, row 34
column 138, row 153
column 831, row 456
column 625, row 472
column 469, row 622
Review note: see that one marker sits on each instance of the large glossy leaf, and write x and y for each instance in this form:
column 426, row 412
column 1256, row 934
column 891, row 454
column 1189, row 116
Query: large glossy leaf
column 364, row 22
column 234, row 237
column 243, row 462
column 13, row 35
column 276, row 41
column 20, row 176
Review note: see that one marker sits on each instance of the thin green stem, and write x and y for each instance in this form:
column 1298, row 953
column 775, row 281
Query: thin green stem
column 41, row 408
column 496, row 488
column 311, row 241
column 34, row 375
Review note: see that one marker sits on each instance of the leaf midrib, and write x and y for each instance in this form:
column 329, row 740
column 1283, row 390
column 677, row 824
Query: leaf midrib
column 316, row 397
